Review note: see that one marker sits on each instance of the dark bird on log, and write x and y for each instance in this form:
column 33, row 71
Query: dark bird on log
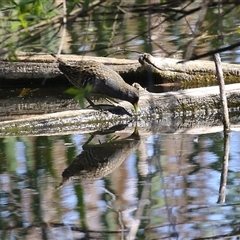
column 103, row 80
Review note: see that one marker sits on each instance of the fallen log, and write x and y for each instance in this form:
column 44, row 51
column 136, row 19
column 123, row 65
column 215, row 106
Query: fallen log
column 191, row 73
column 43, row 66
column 147, row 70
column 164, row 111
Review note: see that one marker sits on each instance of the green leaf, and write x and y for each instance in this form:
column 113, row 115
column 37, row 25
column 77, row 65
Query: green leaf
column 23, row 21
column 38, row 8
column 15, row 26
column 72, row 91
column 79, row 93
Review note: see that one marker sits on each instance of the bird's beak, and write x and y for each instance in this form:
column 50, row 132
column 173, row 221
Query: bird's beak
column 135, row 105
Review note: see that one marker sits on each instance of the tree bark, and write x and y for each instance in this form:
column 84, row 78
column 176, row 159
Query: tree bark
column 163, row 70
column 165, row 112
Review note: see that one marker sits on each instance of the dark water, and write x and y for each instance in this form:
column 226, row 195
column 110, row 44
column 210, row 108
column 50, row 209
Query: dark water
column 163, row 186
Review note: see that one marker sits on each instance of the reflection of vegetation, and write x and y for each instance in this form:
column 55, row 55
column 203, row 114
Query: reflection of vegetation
column 30, row 205
column 101, row 26
column 10, row 151
column 216, row 147
column 81, row 206
column 26, row 166
column 27, row 22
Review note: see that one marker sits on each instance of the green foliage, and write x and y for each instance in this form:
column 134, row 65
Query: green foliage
column 29, row 10
column 71, row 5
column 79, row 93
column 19, row 21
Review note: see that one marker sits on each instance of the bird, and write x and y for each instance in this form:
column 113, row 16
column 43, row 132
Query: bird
column 103, row 80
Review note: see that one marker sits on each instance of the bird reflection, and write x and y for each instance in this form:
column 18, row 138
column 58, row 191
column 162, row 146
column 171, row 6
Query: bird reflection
column 97, row 161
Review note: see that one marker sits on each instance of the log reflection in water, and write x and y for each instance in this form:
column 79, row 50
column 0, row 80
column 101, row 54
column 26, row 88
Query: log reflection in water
column 97, row 161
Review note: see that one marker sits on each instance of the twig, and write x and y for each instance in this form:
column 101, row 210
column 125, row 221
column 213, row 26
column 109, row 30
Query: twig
column 195, row 32
column 223, row 97
column 64, row 27
column 226, row 126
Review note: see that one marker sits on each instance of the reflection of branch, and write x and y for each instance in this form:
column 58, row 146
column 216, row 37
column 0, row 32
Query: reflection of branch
column 224, row 172
column 83, row 12
column 64, row 27
column 143, row 201
column 210, row 53
column 195, row 32
column 169, row 7
column 114, row 26
column 197, row 37
column 119, row 213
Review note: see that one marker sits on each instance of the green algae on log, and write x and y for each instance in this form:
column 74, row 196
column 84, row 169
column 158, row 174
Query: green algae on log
column 191, row 73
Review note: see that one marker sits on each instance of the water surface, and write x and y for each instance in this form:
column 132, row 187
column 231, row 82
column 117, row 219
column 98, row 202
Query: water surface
column 161, row 186
column 166, row 186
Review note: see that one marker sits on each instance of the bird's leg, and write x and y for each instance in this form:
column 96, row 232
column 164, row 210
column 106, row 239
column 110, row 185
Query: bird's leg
column 89, row 140
column 113, row 108
column 96, row 106
column 111, row 100
column 90, row 102
column 101, row 106
column 113, row 138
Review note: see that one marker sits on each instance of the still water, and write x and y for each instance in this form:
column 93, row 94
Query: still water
column 148, row 186
column 119, row 186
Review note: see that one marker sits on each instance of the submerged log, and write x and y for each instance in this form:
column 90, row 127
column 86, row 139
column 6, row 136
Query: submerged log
column 165, row 111
column 147, row 70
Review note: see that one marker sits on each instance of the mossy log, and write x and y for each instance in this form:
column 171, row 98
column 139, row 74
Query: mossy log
column 146, row 70
column 158, row 112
